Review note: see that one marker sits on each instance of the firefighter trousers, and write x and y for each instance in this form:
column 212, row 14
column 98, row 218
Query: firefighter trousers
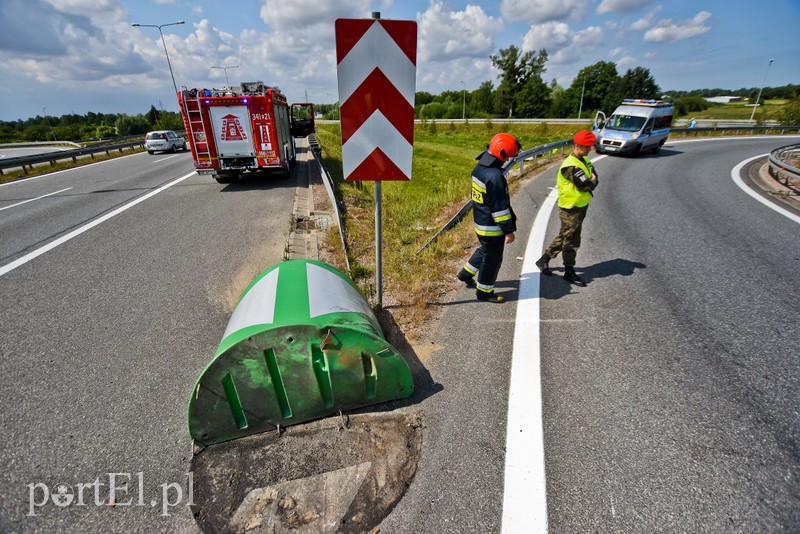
column 569, row 236
column 486, row 261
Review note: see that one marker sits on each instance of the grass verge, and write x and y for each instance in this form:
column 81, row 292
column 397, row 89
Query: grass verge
column 444, row 156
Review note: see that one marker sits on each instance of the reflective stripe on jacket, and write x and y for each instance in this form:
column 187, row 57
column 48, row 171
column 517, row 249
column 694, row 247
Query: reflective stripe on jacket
column 491, row 205
column 569, row 193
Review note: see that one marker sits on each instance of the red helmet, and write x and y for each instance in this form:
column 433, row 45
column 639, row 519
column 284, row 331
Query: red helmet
column 504, row 146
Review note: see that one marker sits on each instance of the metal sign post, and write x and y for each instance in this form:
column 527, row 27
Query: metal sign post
column 376, row 70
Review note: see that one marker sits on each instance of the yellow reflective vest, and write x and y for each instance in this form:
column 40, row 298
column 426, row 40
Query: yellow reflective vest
column 570, row 195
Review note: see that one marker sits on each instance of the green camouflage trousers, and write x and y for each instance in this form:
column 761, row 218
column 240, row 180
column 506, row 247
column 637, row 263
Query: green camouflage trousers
column 569, row 237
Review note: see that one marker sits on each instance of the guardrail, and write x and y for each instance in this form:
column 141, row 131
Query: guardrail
column 27, row 162
column 328, row 181
column 532, row 154
column 779, row 164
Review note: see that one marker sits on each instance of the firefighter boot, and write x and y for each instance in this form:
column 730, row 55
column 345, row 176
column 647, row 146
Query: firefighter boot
column 572, row 277
column 489, row 297
column 543, row 264
column 467, row 278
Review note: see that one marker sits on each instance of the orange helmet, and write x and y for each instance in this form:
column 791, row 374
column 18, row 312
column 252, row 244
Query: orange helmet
column 504, row 146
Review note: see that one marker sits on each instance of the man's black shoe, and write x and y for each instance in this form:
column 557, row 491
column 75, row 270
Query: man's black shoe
column 483, row 296
column 467, row 278
column 572, row 277
column 543, row 264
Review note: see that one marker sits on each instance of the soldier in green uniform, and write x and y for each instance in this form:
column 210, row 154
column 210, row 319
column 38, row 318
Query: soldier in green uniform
column 576, row 180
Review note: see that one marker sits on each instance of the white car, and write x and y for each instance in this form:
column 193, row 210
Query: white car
column 164, row 140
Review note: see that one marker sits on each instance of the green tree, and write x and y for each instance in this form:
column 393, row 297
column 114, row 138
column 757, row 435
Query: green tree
column 520, row 79
column 104, row 131
column 132, row 125
column 481, row 98
column 789, row 114
column 639, row 83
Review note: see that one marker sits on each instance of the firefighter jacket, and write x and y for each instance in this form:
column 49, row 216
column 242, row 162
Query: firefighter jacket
column 491, row 205
column 574, row 184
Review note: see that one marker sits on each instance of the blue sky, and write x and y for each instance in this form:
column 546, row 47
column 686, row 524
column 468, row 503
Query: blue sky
column 75, row 56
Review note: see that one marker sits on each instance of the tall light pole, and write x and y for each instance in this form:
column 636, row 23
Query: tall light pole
column 464, row 105
column 759, row 91
column 580, row 109
column 159, row 26
column 226, row 73
column 48, row 124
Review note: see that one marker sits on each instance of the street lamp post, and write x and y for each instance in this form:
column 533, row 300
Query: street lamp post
column 226, row 73
column 580, row 109
column 759, row 91
column 159, row 26
column 464, row 104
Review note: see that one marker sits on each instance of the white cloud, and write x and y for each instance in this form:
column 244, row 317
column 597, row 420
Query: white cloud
column 445, row 35
column 282, row 15
column 620, row 6
column 666, row 30
column 541, row 11
column 563, row 45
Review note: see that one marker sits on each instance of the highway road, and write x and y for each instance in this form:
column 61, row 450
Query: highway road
column 669, row 386
column 660, row 398
column 117, row 281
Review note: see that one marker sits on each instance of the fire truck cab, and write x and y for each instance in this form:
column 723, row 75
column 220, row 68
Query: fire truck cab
column 243, row 129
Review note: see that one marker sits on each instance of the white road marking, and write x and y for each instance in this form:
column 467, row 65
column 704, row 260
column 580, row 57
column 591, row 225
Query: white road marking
column 735, row 174
column 167, row 158
column 32, row 199
column 525, row 489
column 524, row 493
column 5, row 269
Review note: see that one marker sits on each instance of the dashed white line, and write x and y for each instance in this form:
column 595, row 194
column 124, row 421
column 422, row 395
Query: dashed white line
column 5, row 269
column 33, row 199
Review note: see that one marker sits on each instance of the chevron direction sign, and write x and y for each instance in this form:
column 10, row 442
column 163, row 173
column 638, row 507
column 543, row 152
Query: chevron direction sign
column 376, row 67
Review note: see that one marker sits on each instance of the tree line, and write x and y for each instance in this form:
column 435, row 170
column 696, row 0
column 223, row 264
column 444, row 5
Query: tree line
column 520, row 93
column 523, row 93
column 74, row 127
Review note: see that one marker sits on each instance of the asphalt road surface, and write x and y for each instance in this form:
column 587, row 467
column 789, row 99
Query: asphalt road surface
column 104, row 335
column 669, row 386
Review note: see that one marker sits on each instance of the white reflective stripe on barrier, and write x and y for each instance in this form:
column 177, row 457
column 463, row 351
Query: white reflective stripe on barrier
column 329, row 293
column 257, row 306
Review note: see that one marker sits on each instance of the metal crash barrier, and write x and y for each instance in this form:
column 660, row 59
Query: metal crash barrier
column 302, row 343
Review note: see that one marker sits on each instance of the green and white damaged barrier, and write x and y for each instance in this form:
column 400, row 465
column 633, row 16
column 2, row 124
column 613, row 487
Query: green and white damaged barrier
column 301, row 344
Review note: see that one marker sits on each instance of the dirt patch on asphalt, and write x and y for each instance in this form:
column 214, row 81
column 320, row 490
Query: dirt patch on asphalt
column 333, row 475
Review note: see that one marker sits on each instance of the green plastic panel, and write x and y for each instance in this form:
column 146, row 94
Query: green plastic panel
column 271, row 374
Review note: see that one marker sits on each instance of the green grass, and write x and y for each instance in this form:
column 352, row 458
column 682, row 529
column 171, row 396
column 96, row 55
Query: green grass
column 414, row 211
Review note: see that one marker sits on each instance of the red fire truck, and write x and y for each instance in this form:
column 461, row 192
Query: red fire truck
column 243, row 129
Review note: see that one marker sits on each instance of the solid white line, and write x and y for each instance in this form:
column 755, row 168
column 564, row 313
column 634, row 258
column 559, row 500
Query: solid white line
column 524, row 487
column 735, row 174
column 63, row 239
column 524, row 493
column 32, row 199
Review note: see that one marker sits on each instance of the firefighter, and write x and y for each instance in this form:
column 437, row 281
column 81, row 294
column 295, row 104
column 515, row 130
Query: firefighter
column 495, row 222
column 576, row 180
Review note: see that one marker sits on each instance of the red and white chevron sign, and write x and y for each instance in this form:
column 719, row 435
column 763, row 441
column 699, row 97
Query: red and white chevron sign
column 377, row 67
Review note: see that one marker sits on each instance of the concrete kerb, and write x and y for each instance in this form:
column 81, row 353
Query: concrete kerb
column 306, row 221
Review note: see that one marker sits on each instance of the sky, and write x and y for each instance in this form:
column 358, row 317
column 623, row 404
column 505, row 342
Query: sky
column 75, row 56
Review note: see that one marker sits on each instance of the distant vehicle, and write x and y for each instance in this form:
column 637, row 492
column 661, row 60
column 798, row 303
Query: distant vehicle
column 243, row 129
column 164, row 141
column 637, row 125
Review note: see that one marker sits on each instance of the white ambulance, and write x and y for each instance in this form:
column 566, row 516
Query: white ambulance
column 636, row 126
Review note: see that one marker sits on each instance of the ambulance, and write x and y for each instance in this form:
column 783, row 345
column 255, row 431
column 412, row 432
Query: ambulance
column 636, row 126
column 243, row 129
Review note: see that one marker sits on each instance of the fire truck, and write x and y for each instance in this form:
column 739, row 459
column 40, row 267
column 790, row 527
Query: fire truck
column 243, row 129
